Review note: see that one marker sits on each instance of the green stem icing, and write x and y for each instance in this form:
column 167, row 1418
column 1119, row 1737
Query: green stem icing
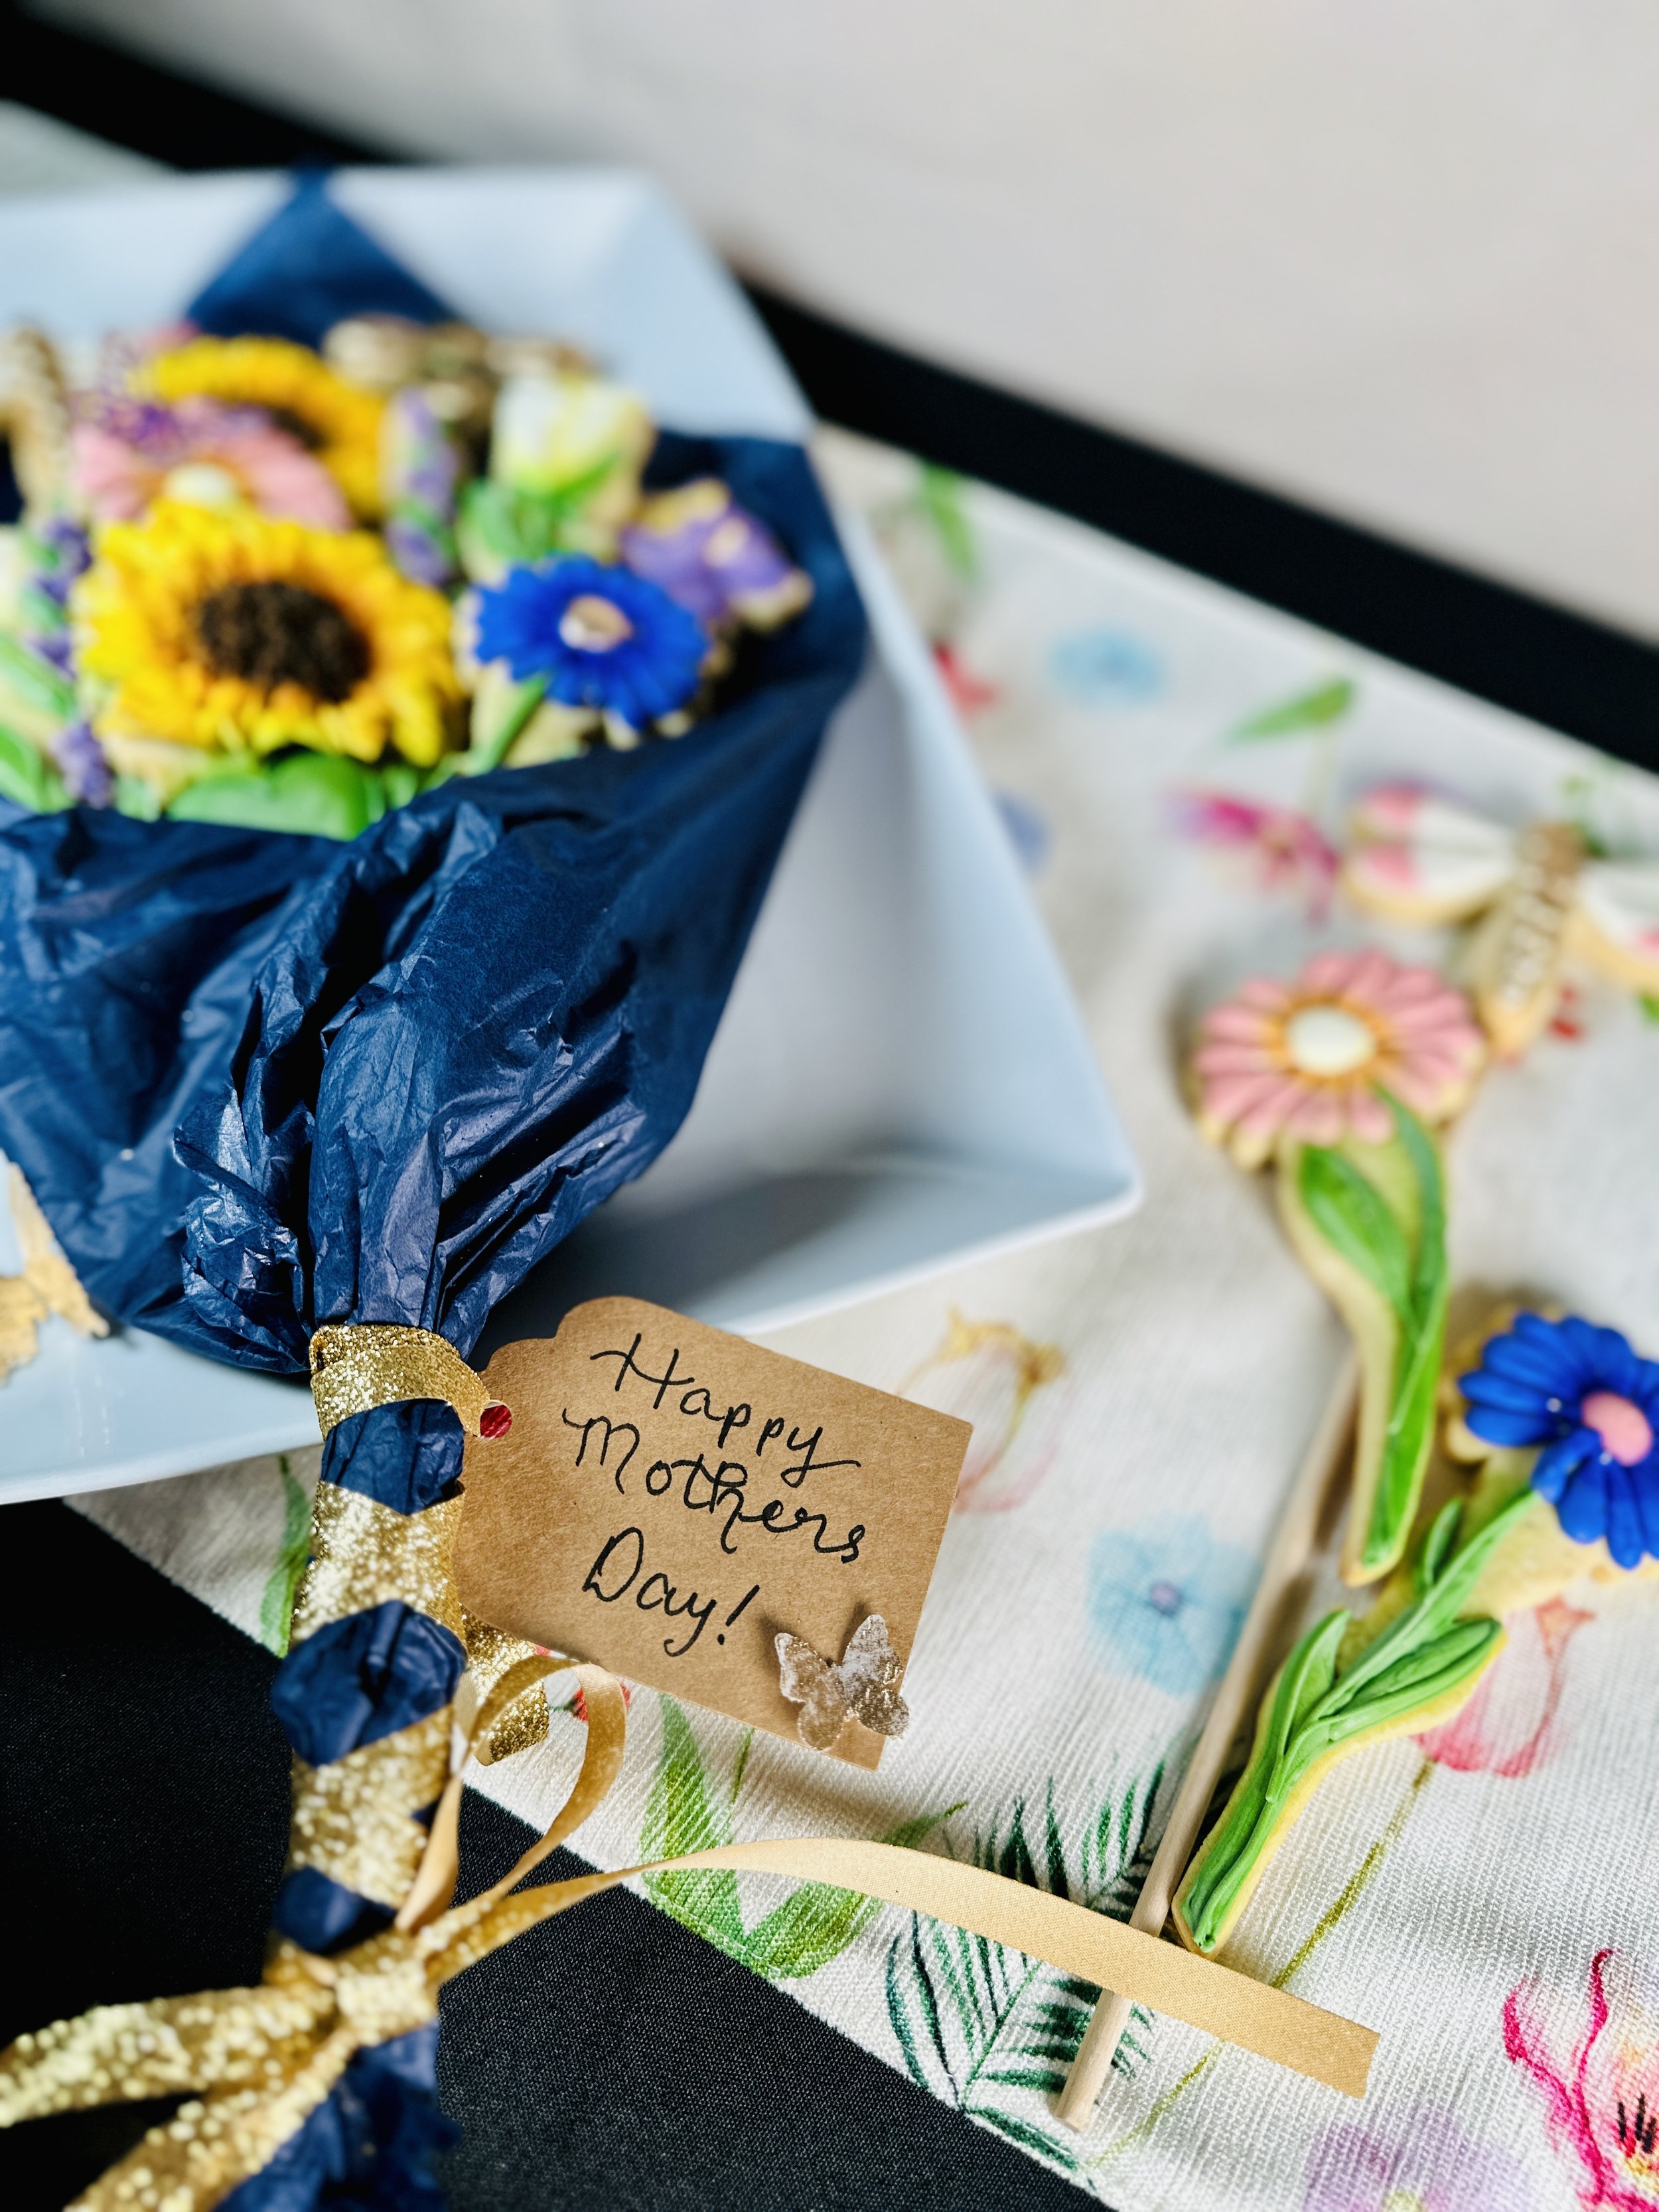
column 1422, row 1653
column 1395, row 1242
column 36, row 681
column 510, row 523
column 28, row 777
column 488, row 748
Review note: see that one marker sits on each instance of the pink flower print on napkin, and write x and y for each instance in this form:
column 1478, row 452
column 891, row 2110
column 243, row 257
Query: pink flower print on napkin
column 1508, row 1726
column 971, row 693
column 1423, row 2163
column 988, row 1373
column 1288, row 851
column 1602, row 2103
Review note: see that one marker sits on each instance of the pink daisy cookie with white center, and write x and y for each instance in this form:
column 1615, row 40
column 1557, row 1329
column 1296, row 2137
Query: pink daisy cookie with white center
column 1317, row 1059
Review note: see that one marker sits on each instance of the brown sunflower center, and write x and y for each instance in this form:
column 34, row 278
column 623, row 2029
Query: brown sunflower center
column 273, row 633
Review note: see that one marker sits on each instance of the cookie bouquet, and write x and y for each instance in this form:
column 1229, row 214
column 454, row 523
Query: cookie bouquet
column 399, row 733
column 417, row 660
column 287, row 586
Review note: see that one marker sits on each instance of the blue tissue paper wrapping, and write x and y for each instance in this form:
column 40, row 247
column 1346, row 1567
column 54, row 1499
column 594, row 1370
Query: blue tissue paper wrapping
column 257, row 1081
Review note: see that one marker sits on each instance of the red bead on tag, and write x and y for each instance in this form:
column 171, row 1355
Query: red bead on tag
column 495, row 1420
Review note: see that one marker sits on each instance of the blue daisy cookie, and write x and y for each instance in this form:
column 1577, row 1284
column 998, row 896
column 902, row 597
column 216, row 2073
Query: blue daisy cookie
column 601, row 636
column 1590, row 1404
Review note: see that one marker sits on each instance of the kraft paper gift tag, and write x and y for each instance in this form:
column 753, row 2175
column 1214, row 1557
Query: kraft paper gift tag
column 669, row 1500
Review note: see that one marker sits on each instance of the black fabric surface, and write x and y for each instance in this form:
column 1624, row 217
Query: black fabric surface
column 607, row 2062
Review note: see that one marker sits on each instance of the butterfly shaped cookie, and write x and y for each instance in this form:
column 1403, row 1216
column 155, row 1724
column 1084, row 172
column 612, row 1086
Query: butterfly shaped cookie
column 863, row 1686
column 1542, row 895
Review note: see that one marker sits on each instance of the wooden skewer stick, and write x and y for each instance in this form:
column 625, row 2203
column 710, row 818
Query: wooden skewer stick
column 1275, row 1614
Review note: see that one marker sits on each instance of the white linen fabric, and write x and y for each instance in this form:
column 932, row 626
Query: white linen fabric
column 1142, row 1396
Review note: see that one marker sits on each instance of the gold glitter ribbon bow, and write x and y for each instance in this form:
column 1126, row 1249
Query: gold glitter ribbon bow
column 256, row 2061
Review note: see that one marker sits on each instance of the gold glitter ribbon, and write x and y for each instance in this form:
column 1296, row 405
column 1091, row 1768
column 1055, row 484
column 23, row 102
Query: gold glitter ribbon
column 259, row 2060
column 354, row 1818
column 356, row 1366
column 364, row 1554
column 490, row 1653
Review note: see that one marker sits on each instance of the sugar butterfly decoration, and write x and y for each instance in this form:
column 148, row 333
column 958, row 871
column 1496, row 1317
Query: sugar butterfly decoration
column 863, row 1686
column 1540, row 894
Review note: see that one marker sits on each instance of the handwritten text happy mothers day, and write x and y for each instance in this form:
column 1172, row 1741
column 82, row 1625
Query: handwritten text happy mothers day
column 669, row 1497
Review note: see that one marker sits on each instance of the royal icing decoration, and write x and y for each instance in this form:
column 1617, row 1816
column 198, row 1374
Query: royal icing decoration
column 1542, row 895
column 1339, row 1079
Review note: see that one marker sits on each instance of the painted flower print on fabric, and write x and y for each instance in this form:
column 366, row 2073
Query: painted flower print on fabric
column 1602, row 2100
column 1288, row 850
column 1106, row 668
column 602, row 637
column 1316, row 1059
column 1585, row 1397
column 1166, row 1601
column 1424, row 2163
column 969, row 692
column 1508, row 1726
column 987, row 1373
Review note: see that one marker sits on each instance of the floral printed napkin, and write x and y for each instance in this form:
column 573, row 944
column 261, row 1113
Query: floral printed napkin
column 1174, row 764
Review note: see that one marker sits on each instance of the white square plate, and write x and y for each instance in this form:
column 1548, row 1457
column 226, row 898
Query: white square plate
column 899, row 1082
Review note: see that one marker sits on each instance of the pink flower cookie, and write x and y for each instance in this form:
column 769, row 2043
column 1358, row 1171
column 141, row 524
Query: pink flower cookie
column 1318, row 1059
column 133, row 451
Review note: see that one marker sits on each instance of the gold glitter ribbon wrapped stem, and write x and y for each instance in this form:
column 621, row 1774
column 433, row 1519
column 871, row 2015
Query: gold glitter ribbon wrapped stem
column 364, row 1554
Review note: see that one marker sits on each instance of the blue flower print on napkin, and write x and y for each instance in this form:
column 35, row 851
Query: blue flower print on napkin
column 1106, row 668
column 1166, row 1601
column 1027, row 830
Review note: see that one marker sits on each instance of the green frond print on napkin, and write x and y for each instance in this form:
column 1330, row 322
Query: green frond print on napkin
column 1308, row 710
column 276, row 1605
column 685, row 1812
column 976, row 2022
column 940, row 494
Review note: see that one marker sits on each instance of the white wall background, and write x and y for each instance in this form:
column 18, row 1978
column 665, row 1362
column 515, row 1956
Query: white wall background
column 1395, row 256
